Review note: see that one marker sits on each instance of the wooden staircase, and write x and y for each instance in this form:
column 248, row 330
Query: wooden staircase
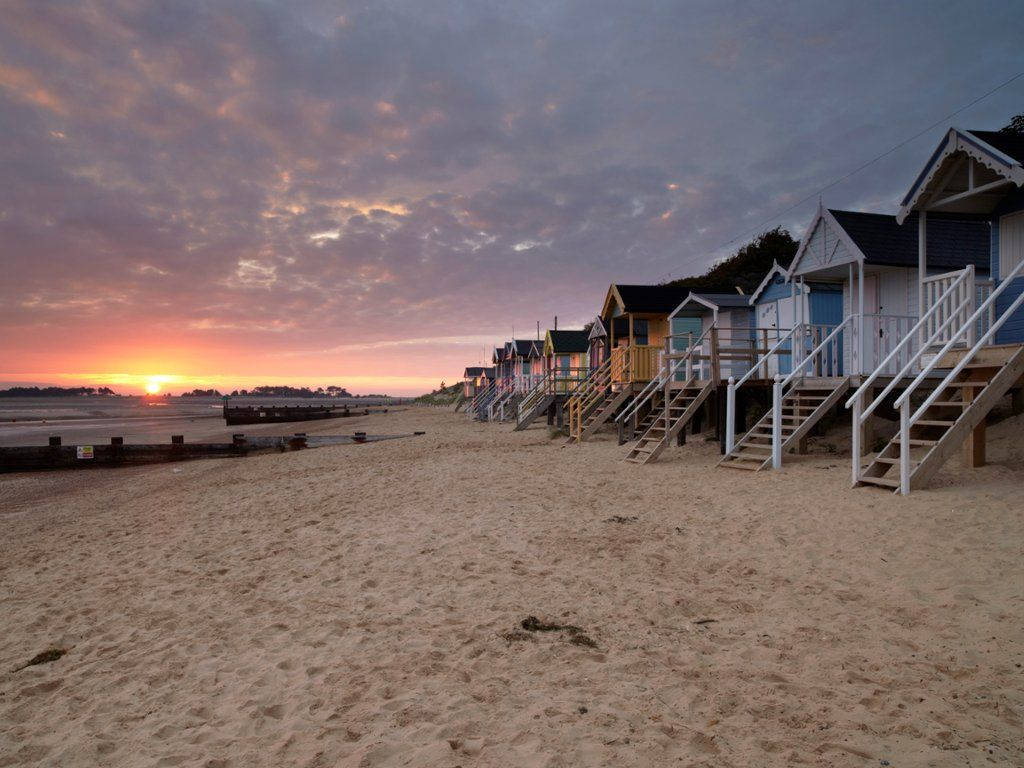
column 591, row 413
column 658, row 434
column 535, row 402
column 963, row 404
column 803, row 406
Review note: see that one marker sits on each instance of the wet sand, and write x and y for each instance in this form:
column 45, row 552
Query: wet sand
column 363, row 606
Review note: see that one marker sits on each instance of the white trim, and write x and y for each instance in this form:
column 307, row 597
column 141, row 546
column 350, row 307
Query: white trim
column 823, row 214
column 775, row 270
column 699, row 300
column 958, row 140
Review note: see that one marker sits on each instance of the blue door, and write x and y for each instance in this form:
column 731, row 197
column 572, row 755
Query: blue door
column 827, row 310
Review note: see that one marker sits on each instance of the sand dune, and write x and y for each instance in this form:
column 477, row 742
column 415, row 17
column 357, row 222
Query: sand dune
column 361, row 606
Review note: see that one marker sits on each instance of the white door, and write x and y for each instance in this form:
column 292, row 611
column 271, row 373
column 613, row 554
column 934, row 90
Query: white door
column 1011, row 242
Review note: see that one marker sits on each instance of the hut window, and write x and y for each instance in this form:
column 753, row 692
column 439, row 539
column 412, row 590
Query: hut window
column 640, row 330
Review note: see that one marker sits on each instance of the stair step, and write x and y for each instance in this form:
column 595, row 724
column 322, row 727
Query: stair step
column 949, row 403
column 955, row 384
column 885, row 482
column 934, row 423
column 916, row 441
column 735, row 465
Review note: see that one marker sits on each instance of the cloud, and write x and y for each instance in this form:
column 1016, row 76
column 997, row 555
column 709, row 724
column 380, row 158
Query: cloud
column 247, row 180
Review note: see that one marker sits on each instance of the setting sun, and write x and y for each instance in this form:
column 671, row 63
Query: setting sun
column 152, row 386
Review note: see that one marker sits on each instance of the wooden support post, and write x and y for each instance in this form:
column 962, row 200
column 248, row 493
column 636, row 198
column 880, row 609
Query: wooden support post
column 1017, row 401
column 559, row 420
column 974, row 445
column 718, row 414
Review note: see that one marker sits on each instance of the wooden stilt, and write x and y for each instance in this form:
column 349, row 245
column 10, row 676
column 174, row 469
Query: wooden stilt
column 974, row 445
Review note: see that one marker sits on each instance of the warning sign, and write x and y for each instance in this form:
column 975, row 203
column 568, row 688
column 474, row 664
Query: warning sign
column 85, row 451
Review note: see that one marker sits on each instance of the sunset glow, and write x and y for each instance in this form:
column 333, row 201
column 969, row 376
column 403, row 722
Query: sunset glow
column 245, row 215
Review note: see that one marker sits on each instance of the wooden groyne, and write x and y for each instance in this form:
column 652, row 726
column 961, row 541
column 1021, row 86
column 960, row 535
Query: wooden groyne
column 56, row 455
column 235, row 415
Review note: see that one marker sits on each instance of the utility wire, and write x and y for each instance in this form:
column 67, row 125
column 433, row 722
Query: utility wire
column 872, row 161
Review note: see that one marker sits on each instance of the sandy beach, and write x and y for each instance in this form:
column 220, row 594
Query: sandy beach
column 363, row 606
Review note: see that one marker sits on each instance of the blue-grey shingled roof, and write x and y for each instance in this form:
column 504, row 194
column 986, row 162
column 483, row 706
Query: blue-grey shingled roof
column 1010, row 144
column 566, row 342
column 954, row 241
column 725, row 299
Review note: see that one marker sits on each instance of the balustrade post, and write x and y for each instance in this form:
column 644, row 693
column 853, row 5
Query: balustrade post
column 905, row 447
column 730, row 416
column 777, row 423
column 855, row 436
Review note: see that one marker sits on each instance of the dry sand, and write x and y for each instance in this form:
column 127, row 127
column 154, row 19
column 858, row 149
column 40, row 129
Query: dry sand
column 361, row 605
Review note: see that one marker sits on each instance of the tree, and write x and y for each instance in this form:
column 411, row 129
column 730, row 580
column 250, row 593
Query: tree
column 747, row 267
column 1015, row 126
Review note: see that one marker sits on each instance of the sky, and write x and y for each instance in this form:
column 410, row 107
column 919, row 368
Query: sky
column 372, row 195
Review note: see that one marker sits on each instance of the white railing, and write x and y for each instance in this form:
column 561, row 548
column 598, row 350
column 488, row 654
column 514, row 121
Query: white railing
column 669, row 367
column 825, row 359
column 908, row 419
column 882, row 335
column 785, row 344
column 902, row 351
column 958, row 304
column 483, row 398
column 533, row 396
column 525, row 382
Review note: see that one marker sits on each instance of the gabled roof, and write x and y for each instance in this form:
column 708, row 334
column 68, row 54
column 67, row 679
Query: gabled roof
column 488, row 373
column 499, row 355
column 644, row 299
column 597, row 330
column 567, row 342
column 973, row 168
column 473, row 371
column 954, row 240
column 775, row 270
column 524, row 348
column 711, row 302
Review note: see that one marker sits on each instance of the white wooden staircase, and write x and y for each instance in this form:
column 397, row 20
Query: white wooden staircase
column 978, row 376
column 535, row 402
column 662, row 423
column 963, row 403
column 803, row 406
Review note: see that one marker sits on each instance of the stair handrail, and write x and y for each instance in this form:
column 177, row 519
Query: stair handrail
column 780, row 384
column 903, row 401
column 671, row 365
column 733, row 385
column 482, row 397
column 799, row 367
column 531, row 398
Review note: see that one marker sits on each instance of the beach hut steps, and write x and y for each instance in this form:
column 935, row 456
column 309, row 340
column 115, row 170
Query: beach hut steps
column 803, row 406
column 977, row 389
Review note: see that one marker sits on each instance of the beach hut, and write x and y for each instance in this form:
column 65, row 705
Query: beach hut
column 561, row 366
column 711, row 336
column 628, row 336
column 522, row 369
column 566, row 356
column 732, row 317
column 853, row 292
column 967, row 347
column 780, row 304
column 470, row 380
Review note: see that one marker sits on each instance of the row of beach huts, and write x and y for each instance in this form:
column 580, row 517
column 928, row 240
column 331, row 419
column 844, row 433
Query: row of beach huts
column 913, row 319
